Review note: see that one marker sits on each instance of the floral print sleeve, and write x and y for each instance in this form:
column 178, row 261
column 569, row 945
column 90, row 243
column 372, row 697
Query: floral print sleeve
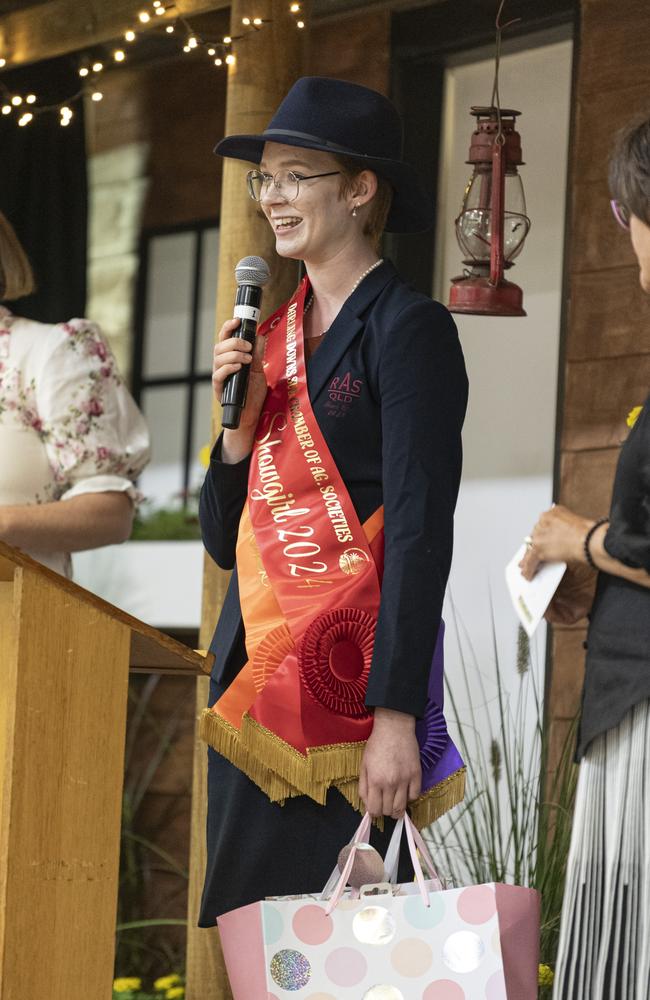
column 95, row 437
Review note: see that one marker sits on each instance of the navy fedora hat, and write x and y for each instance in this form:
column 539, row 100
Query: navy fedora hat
column 344, row 118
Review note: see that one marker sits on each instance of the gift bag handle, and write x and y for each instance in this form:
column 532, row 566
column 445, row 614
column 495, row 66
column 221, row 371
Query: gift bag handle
column 360, row 835
column 415, row 843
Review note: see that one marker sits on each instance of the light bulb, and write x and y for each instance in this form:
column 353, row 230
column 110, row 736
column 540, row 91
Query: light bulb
column 257, row 21
column 295, row 7
column 25, row 119
column 119, row 55
column 129, row 36
column 212, row 52
column 66, row 111
column 16, row 101
column 160, row 11
column 157, row 3
column 144, row 17
column 230, row 59
column 227, row 39
column 31, row 98
column 217, row 62
column 169, row 29
column 246, row 21
column 301, row 24
column 84, row 71
column 97, row 95
column 3, row 62
column 98, row 67
column 6, row 109
column 186, row 48
column 192, row 42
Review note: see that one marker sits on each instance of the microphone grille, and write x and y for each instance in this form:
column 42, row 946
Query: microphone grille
column 252, row 271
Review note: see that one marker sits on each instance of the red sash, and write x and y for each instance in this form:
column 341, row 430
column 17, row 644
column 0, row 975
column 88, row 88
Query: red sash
column 294, row 719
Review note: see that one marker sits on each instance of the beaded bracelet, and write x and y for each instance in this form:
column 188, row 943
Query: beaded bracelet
column 589, row 536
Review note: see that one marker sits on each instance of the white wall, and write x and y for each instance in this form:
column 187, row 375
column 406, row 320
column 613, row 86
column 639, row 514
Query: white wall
column 512, row 363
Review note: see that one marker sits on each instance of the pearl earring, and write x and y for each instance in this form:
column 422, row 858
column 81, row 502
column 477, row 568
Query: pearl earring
column 354, row 211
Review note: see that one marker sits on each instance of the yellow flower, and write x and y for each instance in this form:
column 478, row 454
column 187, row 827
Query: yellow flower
column 166, row 982
column 545, row 975
column 633, row 416
column 204, row 456
column 176, row 993
column 128, row 984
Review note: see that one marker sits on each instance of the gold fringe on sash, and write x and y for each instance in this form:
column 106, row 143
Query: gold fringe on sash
column 225, row 739
column 282, row 772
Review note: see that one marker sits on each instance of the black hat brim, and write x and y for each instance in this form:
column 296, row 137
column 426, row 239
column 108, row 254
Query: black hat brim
column 411, row 209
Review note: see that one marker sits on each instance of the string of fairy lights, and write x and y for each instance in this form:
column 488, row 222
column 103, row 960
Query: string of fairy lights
column 24, row 108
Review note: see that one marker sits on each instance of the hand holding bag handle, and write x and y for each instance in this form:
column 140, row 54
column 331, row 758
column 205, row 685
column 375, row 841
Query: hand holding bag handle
column 415, row 843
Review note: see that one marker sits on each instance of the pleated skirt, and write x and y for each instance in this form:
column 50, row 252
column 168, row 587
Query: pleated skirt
column 604, row 947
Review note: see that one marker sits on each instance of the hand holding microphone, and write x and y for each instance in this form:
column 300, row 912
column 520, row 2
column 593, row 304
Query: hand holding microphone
column 238, row 359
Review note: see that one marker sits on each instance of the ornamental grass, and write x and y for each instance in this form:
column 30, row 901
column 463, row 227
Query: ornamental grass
column 514, row 825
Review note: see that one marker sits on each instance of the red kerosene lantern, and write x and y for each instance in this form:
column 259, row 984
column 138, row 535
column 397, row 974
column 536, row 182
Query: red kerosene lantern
column 493, row 224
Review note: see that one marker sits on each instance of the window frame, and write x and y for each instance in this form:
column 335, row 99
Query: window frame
column 192, row 377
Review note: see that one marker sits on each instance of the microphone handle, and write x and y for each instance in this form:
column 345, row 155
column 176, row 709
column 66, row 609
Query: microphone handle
column 233, row 399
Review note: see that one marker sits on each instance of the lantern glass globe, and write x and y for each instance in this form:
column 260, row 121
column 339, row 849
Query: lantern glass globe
column 474, row 224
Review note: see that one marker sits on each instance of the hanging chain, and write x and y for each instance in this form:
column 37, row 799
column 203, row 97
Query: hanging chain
column 496, row 100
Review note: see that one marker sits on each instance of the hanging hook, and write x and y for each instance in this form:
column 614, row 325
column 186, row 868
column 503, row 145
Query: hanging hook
column 496, row 102
column 502, row 27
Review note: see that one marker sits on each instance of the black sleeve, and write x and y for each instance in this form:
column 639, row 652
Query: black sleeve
column 423, row 388
column 628, row 536
column 222, row 500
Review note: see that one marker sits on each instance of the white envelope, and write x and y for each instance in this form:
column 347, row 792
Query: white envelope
column 531, row 598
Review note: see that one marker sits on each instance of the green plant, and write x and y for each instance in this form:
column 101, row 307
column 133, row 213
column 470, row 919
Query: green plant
column 168, row 524
column 143, row 943
column 514, row 825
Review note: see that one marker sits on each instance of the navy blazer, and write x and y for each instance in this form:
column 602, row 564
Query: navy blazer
column 389, row 391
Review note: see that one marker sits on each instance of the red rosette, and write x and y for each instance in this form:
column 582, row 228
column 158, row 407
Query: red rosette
column 334, row 660
column 270, row 653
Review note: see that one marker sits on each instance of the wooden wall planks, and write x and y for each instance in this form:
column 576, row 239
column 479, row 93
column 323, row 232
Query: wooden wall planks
column 609, row 317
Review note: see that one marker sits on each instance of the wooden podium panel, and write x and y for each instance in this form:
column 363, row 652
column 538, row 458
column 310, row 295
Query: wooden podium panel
column 64, row 665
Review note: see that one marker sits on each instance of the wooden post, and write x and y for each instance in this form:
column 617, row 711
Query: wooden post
column 267, row 63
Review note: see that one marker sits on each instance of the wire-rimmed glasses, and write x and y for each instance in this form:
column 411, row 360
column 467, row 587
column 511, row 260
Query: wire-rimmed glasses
column 285, row 182
column 621, row 214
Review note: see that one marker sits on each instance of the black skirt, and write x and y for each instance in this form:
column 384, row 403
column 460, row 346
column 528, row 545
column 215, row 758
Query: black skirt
column 257, row 848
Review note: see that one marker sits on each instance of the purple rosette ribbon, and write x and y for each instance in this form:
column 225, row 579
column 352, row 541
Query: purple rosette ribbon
column 438, row 755
column 432, row 735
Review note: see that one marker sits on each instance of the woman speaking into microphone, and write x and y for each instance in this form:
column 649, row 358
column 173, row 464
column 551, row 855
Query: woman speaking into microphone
column 333, row 501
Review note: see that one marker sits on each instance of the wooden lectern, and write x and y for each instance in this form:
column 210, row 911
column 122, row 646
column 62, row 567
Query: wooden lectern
column 65, row 657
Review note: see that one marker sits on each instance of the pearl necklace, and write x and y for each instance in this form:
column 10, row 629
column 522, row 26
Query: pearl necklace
column 354, row 287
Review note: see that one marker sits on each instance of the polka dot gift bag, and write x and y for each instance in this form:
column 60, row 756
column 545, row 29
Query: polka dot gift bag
column 385, row 941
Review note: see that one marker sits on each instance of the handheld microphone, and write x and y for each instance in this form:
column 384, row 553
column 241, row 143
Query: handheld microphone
column 252, row 273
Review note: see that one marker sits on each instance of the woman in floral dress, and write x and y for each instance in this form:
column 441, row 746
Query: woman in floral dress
column 72, row 439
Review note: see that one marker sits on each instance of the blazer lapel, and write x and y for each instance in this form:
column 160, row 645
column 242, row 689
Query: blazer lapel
column 345, row 327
